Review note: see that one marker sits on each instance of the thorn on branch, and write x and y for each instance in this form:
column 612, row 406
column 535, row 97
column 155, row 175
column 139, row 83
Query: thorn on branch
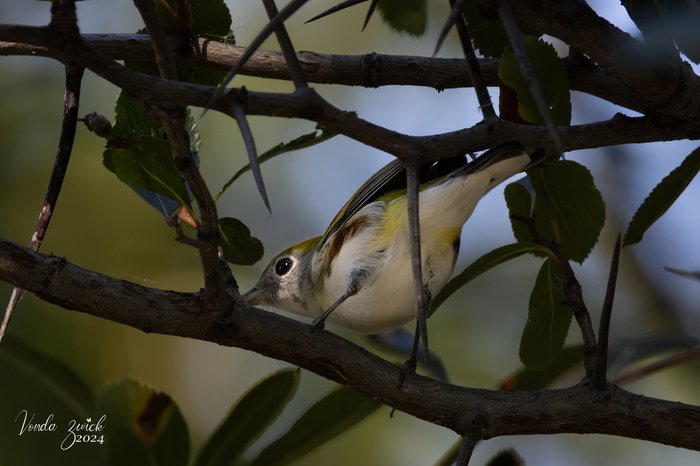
column 482, row 93
column 269, row 28
column 334, row 9
column 288, row 51
column 247, row 134
column 515, row 39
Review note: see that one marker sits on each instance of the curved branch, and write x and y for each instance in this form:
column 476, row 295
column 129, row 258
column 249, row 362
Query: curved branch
column 481, row 413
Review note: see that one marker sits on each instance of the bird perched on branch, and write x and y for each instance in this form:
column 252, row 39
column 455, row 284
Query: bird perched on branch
column 359, row 273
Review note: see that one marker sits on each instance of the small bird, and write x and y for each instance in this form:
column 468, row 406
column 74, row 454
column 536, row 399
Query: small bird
column 359, row 273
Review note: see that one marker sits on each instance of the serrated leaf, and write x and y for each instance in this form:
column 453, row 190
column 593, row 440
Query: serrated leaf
column 551, row 74
column 248, row 418
column 533, row 379
column 520, row 203
column 568, row 208
column 317, row 136
column 142, row 426
column 409, row 16
column 137, row 131
column 548, row 319
column 329, row 417
column 49, row 373
column 484, row 263
column 148, row 165
column 238, row 246
column 662, row 198
column 487, row 35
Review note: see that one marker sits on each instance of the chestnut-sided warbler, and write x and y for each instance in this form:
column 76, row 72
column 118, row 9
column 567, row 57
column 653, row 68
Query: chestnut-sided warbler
column 358, row 274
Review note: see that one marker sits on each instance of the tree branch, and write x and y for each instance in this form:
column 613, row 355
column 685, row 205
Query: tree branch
column 371, row 70
column 577, row 409
column 305, row 103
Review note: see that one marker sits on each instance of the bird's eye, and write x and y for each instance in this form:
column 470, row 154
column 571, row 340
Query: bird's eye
column 283, row 266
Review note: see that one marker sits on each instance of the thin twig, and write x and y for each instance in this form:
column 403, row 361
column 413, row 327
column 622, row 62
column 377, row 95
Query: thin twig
column 290, row 54
column 422, row 306
column 572, row 296
column 159, row 42
column 516, row 42
column 173, row 122
column 71, row 100
column 604, row 327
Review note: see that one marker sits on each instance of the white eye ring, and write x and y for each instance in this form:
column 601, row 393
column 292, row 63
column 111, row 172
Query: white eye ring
column 283, row 266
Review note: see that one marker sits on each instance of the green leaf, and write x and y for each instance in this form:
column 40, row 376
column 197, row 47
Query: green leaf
column 131, row 120
column 568, row 208
column 317, row 136
column 487, row 35
column 148, row 165
column 248, row 418
column 50, row 373
column 534, row 379
column 329, row 417
column 551, row 74
column 520, row 203
column 138, row 133
column 548, row 319
column 483, row 264
column 142, row 426
column 239, row 247
column 203, row 18
column 662, row 198
column 409, row 16
column 39, row 389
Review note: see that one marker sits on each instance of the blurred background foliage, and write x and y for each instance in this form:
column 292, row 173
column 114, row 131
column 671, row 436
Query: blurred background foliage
column 101, row 224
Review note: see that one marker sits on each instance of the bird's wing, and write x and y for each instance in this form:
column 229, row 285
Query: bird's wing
column 388, row 178
column 392, row 177
column 496, row 154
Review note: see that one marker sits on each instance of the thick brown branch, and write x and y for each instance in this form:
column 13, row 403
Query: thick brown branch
column 371, row 70
column 483, row 413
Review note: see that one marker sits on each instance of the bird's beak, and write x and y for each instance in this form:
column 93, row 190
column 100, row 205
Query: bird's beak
column 254, row 296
